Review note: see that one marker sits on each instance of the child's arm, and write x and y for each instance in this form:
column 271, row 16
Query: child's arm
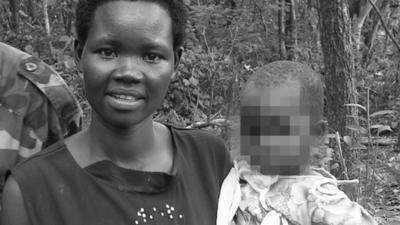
column 329, row 205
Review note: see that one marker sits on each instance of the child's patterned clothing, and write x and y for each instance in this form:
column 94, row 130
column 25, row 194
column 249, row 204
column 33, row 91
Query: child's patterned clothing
column 248, row 197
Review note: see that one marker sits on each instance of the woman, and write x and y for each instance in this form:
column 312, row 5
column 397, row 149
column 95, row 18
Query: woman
column 125, row 168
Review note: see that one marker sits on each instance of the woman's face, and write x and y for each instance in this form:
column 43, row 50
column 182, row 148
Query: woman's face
column 127, row 61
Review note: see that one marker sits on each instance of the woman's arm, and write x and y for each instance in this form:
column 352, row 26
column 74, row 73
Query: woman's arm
column 13, row 210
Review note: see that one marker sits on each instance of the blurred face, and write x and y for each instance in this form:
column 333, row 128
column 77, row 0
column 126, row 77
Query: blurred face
column 275, row 129
column 127, row 61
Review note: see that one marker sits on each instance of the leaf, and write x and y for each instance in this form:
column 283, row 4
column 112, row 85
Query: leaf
column 357, row 118
column 381, row 128
column 64, row 38
column 329, row 152
column 356, row 105
column 69, row 63
column 326, row 140
column 325, row 160
column 29, row 49
column 334, row 166
column 186, row 82
column 347, row 140
column 376, row 126
column 22, row 13
column 357, row 128
column 359, row 165
column 194, row 81
column 383, row 112
column 330, row 135
column 358, row 146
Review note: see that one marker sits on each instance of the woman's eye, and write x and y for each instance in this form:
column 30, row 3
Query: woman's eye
column 152, row 58
column 107, row 53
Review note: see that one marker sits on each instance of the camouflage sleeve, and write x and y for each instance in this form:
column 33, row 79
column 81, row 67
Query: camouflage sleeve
column 51, row 85
column 36, row 107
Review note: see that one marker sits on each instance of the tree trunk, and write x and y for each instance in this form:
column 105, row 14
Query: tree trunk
column 281, row 29
column 67, row 16
column 46, row 17
column 47, row 25
column 14, row 7
column 397, row 94
column 358, row 22
column 338, row 60
column 291, row 31
column 31, row 9
column 371, row 34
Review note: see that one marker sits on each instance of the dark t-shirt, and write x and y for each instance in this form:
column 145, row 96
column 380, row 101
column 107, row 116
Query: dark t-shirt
column 57, row 191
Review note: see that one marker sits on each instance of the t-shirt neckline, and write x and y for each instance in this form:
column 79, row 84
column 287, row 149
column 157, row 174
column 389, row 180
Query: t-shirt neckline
column 124, row 179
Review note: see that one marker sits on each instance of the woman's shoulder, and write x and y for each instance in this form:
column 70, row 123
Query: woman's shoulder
column 53, row 154
column 206, row 137
column 199, row 142
column 202, row 147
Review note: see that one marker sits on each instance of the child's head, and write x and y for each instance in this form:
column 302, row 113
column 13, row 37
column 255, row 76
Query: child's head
column 281, row 107
column 176, row 8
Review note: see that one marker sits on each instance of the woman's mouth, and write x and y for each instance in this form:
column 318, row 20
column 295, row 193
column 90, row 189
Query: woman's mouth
column 124, row 97
column 124, row 101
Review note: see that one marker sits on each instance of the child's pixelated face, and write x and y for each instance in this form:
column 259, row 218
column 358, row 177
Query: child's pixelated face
column 275, row 128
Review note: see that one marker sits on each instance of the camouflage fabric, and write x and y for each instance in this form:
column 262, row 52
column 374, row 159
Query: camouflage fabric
column 36, row 107
column 250, row 198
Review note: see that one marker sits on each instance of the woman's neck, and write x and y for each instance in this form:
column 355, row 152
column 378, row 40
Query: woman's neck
column 122, row 144
column 135, row 148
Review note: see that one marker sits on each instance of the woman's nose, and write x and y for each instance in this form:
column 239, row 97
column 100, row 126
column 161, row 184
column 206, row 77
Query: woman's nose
column 129, row 70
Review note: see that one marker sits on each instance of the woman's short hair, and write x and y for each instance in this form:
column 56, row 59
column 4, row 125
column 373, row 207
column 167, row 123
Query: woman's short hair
column 85, row 10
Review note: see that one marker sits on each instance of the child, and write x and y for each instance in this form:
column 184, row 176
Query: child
column 281, row 107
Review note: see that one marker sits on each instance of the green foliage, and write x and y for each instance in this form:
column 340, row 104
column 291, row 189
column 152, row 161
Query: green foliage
column 223, row 47
column 221, row 43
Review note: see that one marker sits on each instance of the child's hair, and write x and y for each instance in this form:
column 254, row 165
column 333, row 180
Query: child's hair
column 176, row 8
column 280, row 72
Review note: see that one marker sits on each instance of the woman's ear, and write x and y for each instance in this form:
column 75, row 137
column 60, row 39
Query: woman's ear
column 177, row 60
column 78, row 49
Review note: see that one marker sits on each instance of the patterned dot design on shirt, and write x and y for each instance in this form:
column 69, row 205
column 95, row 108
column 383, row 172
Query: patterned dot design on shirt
column 164, row 215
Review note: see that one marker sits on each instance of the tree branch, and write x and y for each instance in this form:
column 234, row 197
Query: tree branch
column 215, row 122
column 384, row 25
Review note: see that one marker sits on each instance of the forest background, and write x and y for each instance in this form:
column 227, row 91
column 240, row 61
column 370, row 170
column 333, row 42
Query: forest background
column 354, row 44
